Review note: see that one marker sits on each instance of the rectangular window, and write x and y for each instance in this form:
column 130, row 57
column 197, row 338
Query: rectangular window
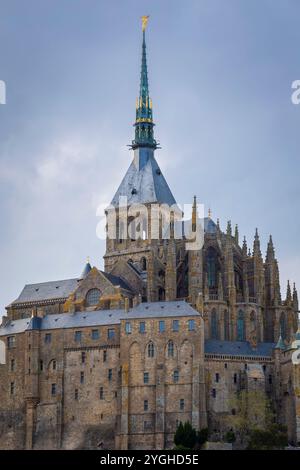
column 83, row 357
column 181, row 404
column 12, row 388
column 104, row 356
column 95, row 334
column 53, row 389
column 77, row 336
column 225, row 365
column 76, row 394
column 12, row 365
column 41, row 366
column 81, row 377
column 146, row 377
column 54, row 365
column 214, row 393
column 146, row 405
column 109, row 375
column 270, row 379
column 142, row 327
column 110, row 333
column 235, row 378
column 101, row 393
column 11, row 342
column 48, row 338
column 217, row 378
column 128, row 327
column 175, row 376
column 175, row 325
column 161, row 326
column 191, row 324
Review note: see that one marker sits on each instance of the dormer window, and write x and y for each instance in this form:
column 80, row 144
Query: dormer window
column 93, row 297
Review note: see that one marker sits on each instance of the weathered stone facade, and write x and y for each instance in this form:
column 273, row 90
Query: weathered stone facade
column 117, row 358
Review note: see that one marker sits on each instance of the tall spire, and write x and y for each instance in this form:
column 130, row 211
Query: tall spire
column 270, row 250
column 144, row 121
column 256, row 244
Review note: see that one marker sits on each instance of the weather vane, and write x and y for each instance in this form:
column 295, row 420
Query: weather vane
column 144, row 22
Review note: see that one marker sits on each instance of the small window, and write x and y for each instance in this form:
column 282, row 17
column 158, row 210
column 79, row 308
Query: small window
column 76, row 394
column 245, row 366
column 109, row 375
column 191, row 324
column 77, row 336
column 41, row 365
column 53, row 389
column 146, row 405
column 101, row 393
column 95, row 334
column 104, row 356
column 83, row 357
column 161, row 326
column 54, row 365
column 270, row 379
column 12, row 388
column 214, row 393
column 225, row 365
column 128, row 328
column 235, row 378
column 217, row 377
column 264, row 367
column 11, row 342
column 48, row 338
column 81, row 377
column 233, row 412
column 146, row 377
column 175, row 325
column 110, row 333
column 175, row 376
column 181, row 404
column 142, row 328
column 12, row 365
column 170, row 349
column 151, row 349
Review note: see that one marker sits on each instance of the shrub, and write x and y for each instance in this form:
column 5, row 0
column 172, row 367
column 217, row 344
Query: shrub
column 230, row 437
column 185, row 436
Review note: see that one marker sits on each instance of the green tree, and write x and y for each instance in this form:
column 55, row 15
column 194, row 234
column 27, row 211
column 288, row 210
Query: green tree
column 275, row 437
column 249, row 410
column 202, row 436
column 185, row 436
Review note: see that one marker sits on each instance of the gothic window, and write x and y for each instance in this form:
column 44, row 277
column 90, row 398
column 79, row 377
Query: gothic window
column 211, row 267
column 170, row 349
column 143, row 263
column 282, row 326
column 151, row 349
column 226, row 325
column 253, row 321
column 161, row 294
column 241, row 326
column 214, row 325
column 92, row 297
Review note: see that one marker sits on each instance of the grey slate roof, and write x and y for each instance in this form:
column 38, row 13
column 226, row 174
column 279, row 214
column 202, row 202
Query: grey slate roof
column 237, row 348
column 148, row 183
column 99, row 317
column 46, row 291
column 162, row 309
column 116, row 280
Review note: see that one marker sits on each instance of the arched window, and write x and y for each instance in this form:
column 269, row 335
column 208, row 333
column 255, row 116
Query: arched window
column 170, row 349
column 214, row 325
column 151, row 349
column 211, row 267
column 253, row 321
column 226, row 325
column 143, row 263
column 161, row 294
column 282, row 324
column 241, row 326
column 93, row 297
column 175, row 376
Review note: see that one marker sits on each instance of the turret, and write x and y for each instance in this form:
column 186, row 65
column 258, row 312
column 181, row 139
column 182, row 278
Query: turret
column 244, row 249
column 236, row 234
column 288, row 299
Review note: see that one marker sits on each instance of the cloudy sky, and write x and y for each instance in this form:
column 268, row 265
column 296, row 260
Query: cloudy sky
column 220, row 77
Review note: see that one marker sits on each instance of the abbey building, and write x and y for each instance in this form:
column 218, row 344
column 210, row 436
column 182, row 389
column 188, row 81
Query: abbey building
column 117, row 358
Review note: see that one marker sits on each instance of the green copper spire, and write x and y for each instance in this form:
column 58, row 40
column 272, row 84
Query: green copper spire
column 144, row 122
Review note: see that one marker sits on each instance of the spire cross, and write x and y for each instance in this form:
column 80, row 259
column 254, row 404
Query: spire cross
column 144, row 22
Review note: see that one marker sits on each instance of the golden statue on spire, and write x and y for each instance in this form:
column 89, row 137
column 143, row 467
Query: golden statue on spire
column 144, row 22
